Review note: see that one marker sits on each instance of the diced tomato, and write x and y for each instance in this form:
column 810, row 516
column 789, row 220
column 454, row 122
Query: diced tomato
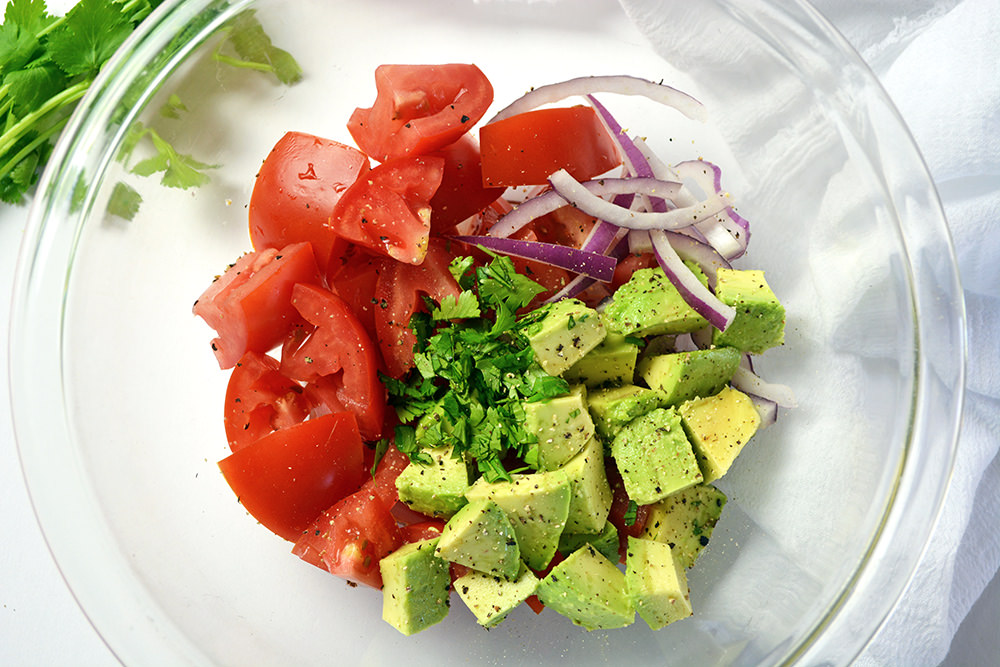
column 298, row 185
column 353, row 276
column 336, row 357
column 250, row 305
column 567, row 226
column 399, row 288
column 461, row 192
column 552, row 278
column 619, row 507
column 532, row 601
column 527, row 148
column 425, row 530
column 420, row 108
column 389, row 209
column 287, row 478
column 259, row 399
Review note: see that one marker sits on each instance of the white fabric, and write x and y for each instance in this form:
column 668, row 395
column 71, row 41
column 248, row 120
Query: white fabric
column 939, row 60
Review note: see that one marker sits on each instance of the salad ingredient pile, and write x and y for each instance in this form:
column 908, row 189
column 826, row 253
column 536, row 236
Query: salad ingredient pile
column 500, row 363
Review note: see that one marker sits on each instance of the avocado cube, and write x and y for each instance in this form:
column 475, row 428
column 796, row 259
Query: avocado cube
column 611, row 409
column 649, row 305
column 656, row 583
column 437, row 489
column 654, row 456
column 590, row 501
column 682, row 376
column 562, row 333
column 537, row 506
column 415, row 587
column 610, row 364
column 491, row 598
column 589, row 590
column 685, row 520
column 760, row 318
column 719, row 427
column 605, row 542
column 480, row 537
column 562, row 425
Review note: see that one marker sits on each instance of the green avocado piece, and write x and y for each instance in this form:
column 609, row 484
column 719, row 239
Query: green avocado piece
column 611, row 409
column 562, row 425
column 415, row 587
column 590, row 502
column 606, row 542
column 537, row 506
column 610, row 364
column 760, row 318
column 491, row 598
column 685, row 520
column 656, row 583
column 480, row 536
column 685, row 375
column 438, row 489
column 654, row 456
column 562, row 333
column 649, row 305
column 589, row 590
column 719, row 427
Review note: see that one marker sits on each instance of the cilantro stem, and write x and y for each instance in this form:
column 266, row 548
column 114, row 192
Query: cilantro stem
column 68, row 96
column 35, row 143
column 236, row 62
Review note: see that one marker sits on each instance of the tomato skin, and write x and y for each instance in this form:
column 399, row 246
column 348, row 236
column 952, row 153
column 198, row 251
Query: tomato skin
column 527, row 148
column 336, row 357
column 297, row 186
column 424, row 530
column 249, row 305
column 400, row 287
column 420, row 108
column 461, row 193
column 389, row 210
column 259, row 400
column 619, row 506
column 353, row 276
column 285, row 479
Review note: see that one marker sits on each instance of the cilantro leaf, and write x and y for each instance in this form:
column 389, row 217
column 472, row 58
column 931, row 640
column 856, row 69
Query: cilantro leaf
column 124, row 201
column 256, row 51
column 92, row 32
column 465, row 306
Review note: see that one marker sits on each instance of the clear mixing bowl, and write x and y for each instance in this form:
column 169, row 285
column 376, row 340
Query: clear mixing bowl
column 117, row 398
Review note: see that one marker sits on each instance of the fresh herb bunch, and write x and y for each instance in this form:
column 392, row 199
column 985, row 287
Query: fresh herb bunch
column 474, row 369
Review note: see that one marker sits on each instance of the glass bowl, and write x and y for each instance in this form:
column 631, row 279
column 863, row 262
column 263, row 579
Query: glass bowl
column 117, row 397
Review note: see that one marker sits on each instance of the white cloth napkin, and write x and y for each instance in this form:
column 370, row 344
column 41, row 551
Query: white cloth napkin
column 939, row 60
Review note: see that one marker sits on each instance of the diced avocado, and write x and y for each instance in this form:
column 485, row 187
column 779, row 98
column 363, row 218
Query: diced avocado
column 760, row 318
column 609, row 364
column 685, row 375
column 589, row 590
column 491, row 598
column 606, row 542
column 537, row 506
column 563, row 332
column 563, row 427
column 648, row 305
column 415, row 587
column 612, row 408
column 591, row 500
column 437, row 489
column 685, row 520
column 719, row 427
column 654, row 456
column 656, row 583
column 480, row 536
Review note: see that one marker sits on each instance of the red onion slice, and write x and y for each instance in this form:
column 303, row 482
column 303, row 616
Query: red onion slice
column 617, row 84
column 706, row 304
column 704, row 255
column 592, row 264
column 768, row 410
column 750, row 383
column 729, row 232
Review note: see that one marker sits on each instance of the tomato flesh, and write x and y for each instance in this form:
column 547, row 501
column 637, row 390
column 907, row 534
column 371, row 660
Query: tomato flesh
column 259, row 399
column 461, row 193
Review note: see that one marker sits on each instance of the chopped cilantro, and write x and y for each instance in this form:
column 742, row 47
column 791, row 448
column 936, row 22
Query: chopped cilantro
column 631, row 513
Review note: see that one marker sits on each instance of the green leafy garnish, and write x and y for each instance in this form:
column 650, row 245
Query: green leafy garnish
column 631, row 513
column 474, row 369
column 124, row 201
column 254, row 50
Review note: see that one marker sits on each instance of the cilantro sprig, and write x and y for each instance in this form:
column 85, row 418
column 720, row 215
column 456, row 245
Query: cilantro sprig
column 474, row 369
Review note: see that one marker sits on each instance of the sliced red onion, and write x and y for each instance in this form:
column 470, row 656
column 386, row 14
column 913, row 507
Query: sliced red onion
column 592, row 264
column 639, row 242
column 702, row 254
column 728, row 232
column 750, row 383
column 768, row 410
column 634, row 159
column 617, row 249
column 684, row 343
column 617, row 84
column 706, row 304
column 525, row 212
column 589, row 202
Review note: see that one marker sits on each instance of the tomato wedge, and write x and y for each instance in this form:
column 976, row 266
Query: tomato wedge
column 259, row 399
column 389, row 209
column 287, row 478
column 461, row 193
column 420, row 108
column 249, row 305
column 353, row 276
column 525, row 149
column 337, row 357
column 298, row 185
